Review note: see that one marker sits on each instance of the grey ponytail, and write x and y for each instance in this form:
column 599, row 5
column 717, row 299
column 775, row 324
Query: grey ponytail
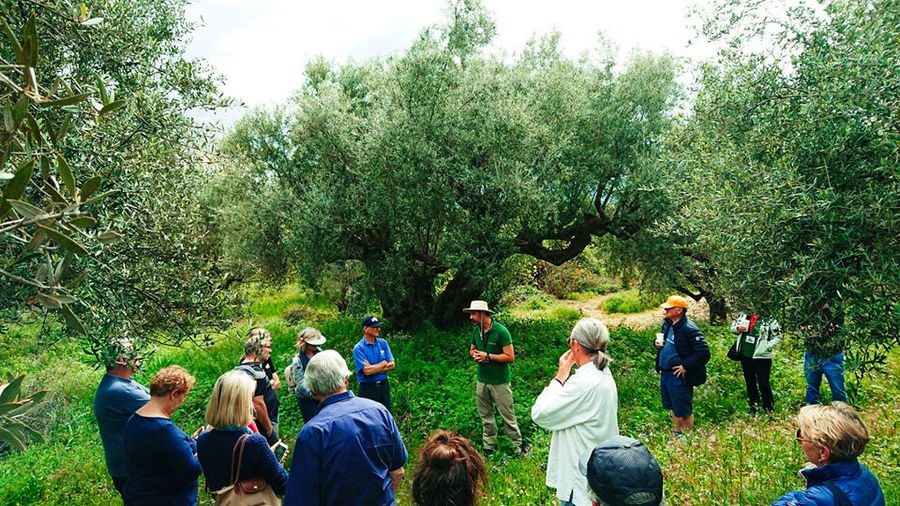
column 593, row 337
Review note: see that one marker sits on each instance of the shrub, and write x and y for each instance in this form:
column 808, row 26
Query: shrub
column 564, row 313
column 627, row 302
column 570, row 277
column 297, row 313
column 527, row 298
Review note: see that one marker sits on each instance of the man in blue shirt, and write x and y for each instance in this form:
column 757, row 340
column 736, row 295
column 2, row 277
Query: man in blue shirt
column 117, row 398
column 351, row 452
column 373, row 360
column 681, row 357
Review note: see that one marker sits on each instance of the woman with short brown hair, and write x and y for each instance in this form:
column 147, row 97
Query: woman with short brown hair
column 162, row 462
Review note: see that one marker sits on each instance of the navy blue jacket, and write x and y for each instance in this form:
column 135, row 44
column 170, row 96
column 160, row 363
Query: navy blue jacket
column 693, row 352
column 852, row 478
column 214, row 450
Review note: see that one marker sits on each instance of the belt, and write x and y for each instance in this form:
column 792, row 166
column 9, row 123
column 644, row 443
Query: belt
column 375, row 383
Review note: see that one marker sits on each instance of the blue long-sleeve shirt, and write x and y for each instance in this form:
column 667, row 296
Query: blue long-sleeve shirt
column 114, row 403
column 344, row 454
column 162, row 465
column 214, row 450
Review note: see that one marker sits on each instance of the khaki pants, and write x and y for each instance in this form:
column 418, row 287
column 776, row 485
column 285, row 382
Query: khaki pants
column 489, row 396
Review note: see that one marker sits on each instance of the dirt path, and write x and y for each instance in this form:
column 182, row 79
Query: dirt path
column 637, row 321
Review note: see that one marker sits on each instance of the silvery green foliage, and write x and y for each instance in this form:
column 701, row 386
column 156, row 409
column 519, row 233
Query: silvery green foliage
column 14, row 408
column 153, row 276
column 446, row 160
column 792, row 158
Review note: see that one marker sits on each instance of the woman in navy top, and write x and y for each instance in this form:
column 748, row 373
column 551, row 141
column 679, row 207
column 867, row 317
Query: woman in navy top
column 229, row 412
column 162, row 462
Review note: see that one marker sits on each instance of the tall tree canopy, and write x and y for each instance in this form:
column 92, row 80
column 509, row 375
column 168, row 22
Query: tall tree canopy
column 444, row 161
column 160, row 281
column 793, row 158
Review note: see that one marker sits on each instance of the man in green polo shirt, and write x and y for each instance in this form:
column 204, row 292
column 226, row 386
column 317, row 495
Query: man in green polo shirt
column 492, row 349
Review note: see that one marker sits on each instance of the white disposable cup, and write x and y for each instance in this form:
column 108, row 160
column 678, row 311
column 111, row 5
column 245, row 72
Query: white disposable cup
column 659, row 339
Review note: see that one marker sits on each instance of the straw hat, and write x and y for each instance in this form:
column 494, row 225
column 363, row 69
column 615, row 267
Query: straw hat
column 478, row 305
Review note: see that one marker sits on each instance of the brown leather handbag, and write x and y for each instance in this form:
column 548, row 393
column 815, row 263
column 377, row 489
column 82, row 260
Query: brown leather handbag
column 249, row 492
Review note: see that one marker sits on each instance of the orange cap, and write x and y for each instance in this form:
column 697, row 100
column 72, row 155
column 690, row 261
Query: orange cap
column 675, row 301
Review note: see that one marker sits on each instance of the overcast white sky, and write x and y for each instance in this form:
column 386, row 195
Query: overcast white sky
column 261, row 46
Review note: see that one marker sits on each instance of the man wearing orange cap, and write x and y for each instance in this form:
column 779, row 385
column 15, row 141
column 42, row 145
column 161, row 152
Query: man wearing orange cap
column 681, row 357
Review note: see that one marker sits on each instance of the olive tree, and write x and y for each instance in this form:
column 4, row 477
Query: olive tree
column 112, row 99
column 443, row 162
column 794, row 156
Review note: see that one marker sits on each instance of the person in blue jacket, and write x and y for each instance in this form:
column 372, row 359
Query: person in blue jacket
column 681, row 357
column 832, row 437
column 228, row 413
column 162, row 460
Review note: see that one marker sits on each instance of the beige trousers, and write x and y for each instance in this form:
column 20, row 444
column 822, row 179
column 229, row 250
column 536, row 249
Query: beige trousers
column 489, row 396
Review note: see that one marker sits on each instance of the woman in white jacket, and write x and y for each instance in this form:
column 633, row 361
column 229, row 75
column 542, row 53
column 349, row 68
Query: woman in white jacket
column 756, row 338
column 581, row 409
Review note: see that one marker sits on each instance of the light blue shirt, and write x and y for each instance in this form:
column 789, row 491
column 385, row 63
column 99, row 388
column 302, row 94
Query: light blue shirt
column 114, row 403
column 374, row 353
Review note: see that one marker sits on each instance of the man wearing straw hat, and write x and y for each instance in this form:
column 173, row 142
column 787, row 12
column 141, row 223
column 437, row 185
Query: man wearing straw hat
column 492, row 349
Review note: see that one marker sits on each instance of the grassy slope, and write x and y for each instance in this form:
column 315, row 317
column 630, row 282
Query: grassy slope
column 730, row 458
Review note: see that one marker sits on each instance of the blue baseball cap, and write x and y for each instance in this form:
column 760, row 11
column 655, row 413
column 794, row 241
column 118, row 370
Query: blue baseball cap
column 371, row 321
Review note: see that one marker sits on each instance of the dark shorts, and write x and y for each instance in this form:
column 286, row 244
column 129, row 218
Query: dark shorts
column 379, row 391
column 677, row 395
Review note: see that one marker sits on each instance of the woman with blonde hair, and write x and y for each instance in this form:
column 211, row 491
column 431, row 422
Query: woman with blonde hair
column 581, row 410
column 832, row 437
column 450, row 472
column 229, row 411
column 308, row 342
column 162, row 463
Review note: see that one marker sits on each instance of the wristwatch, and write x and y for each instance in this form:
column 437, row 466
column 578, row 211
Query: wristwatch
column 487, row 357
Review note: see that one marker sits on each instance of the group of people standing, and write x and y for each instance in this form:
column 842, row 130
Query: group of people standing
column 153, row 462
column 350, row 450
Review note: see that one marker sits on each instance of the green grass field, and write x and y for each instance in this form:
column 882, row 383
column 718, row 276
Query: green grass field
column 731, row 458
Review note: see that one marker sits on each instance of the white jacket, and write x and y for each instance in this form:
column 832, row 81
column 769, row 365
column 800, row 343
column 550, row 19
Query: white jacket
column 582, row 413
column 766, row 330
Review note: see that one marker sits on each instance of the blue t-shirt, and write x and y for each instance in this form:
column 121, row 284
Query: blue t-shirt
column 374, row 353
column 668, row 356
column 162, row 465
column 114, row 403
column 214, row 448
column 343, row 455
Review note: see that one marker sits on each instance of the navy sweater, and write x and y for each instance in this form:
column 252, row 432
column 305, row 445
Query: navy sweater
column 162, row 468
column 214, row 451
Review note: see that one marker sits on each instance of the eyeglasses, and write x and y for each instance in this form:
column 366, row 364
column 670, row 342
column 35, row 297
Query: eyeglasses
column 801, row 439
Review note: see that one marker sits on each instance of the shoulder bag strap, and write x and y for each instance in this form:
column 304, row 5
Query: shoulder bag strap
column 235, row 475
column 840, row 498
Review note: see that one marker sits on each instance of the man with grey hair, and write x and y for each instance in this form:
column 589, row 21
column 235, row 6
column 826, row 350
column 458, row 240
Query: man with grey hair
column 581, row 409
column 257, row 350
column 117, row 398
column 351, row 452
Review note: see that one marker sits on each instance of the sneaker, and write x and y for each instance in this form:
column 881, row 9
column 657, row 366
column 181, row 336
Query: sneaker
column 523, row 450
column 489, row 451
